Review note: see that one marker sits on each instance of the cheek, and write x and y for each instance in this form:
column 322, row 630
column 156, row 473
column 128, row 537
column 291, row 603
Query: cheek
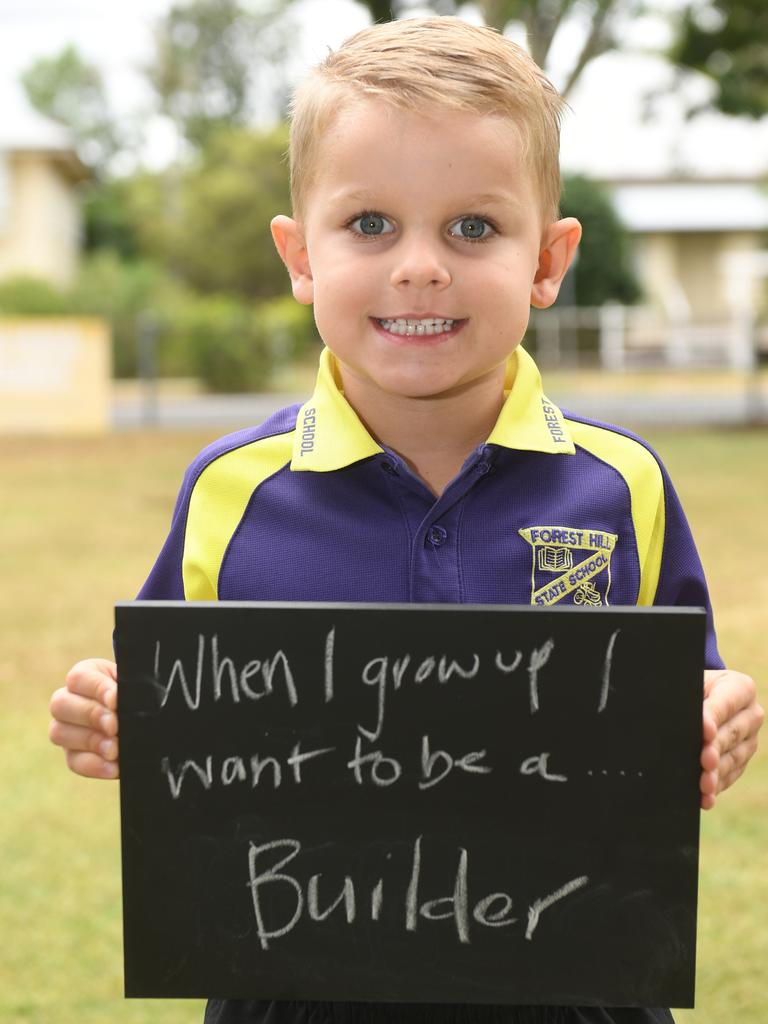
column 341, row 289
column 336, row 315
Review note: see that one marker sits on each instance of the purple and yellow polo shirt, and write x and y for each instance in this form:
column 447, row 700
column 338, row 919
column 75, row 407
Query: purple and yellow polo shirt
column 552, row 509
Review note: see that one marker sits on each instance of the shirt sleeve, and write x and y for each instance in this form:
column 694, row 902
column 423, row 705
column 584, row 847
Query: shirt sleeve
column 681, row 575
column 165, row 582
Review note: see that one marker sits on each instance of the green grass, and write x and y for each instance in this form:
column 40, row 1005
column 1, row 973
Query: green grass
column 81, row 523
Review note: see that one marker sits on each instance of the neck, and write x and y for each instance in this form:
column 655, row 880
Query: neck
column 432, row 435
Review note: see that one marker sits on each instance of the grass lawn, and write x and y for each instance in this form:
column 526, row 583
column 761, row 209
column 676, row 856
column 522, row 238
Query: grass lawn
column 81, row 523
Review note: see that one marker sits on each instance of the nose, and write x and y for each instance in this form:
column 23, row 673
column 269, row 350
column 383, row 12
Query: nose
column 420, row 262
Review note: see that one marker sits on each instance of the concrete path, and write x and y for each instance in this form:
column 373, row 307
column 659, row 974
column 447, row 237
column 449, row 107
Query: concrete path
column 229, row 412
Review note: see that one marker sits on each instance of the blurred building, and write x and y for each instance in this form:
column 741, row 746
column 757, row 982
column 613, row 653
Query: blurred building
column 685, row 234
column 54, row 372
column 693, row 193
column 40, row 221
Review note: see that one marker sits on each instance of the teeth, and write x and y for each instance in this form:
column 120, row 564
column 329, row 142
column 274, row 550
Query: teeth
column 407, row 327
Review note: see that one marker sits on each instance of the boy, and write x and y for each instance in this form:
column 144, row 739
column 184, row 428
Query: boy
column 428, row 463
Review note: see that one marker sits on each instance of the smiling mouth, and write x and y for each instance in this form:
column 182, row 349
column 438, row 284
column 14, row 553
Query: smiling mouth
column 410, row 328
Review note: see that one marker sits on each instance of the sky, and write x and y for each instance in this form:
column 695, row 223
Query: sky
column 605, row 132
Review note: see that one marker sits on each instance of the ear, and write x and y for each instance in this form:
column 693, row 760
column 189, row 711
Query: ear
column 289, row 241
column 558, row 248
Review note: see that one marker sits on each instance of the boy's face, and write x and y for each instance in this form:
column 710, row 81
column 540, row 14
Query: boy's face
column 422, row 217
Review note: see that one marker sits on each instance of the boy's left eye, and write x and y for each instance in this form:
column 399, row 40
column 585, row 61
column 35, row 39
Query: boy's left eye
column 472, row 229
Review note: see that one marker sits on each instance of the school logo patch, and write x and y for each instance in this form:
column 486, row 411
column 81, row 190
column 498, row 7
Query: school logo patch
column 570, row 565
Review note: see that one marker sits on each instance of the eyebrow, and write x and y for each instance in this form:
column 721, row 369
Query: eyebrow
column 491, row 198
column 485, row 199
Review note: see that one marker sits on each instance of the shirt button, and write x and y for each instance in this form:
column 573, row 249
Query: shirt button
column 437, row 536
column 388, row 467
column 482, row 468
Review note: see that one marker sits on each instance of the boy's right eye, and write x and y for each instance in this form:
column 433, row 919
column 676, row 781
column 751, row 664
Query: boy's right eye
column 370, row 224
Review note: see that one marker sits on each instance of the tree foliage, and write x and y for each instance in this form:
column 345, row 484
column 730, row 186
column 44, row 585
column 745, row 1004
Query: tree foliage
column 727, row 40
column 603, row 271
column 69, row 90
column 542, row 20
column 207, row 53
column 219, row 238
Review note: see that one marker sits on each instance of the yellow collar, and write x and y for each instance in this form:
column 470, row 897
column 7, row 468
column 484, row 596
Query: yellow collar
column 330, row 436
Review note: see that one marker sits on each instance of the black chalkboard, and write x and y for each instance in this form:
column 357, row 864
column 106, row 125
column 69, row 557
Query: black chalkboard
column 406, row 803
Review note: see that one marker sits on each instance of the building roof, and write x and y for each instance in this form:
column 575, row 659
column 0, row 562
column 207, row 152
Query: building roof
column 691, row 205
column 23, row 129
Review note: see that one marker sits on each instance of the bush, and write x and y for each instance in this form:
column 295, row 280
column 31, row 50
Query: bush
column 32, row 296
column 232, row 345
column 220, row 341
column 603, row 271
column 290, row 328
column 120, row 291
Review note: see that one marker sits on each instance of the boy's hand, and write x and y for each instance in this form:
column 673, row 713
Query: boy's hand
column 85, row 719
column 732, row 720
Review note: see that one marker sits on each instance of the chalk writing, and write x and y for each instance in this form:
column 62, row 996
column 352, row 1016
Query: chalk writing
column 384, row 770
column 411, row 804
column 539, row 765
column 223, row 670
column 539, row 658
column 235, row 768
column 409, row 906
column 378, row 671
column 431, row 759
column 607, row 671
column 215, row 676
column 536, row 908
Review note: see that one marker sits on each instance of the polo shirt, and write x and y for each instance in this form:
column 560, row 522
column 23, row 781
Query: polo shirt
column 552, row 509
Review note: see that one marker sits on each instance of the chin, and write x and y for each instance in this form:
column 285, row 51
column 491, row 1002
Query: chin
column 420, row 389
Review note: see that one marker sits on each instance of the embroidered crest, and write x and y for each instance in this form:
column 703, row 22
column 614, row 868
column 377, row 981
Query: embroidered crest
column 571, row 565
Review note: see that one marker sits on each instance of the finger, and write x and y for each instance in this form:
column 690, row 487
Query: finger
column 729, row 693
column 727, row 782
column 709, row 783
column 736, row 730
column 733, row 764
column 710, row 757
column 709, row 726
column 708, row 802
column 95, row 678
column 71, row 709
column 91, row 766
column 78, row 738
column 711, row 677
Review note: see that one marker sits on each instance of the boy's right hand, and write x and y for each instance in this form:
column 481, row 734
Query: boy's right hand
column 85, row 719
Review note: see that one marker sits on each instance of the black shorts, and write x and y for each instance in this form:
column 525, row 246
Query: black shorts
column 240, row 1011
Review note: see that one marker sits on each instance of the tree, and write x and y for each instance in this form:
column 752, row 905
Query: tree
column 602, row 272
column 107, row 219
column 207, row 53
column 542, row 19
column 727, row 40
column 69, row 90
column 219, row 240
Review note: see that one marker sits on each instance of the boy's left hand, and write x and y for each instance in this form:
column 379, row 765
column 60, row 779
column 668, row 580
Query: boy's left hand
column 732, row 720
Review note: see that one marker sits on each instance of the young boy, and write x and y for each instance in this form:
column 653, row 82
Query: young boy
column 428, row 464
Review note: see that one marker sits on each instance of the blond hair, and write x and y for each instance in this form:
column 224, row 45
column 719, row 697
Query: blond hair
column 431, row 62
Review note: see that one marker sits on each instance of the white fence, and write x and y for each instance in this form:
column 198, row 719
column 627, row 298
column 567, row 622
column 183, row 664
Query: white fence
column 638, row 337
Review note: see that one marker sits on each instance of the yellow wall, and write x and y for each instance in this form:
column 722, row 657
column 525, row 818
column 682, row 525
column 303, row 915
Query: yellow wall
column 688, row 267
column 41, row 233
column 55, row 376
